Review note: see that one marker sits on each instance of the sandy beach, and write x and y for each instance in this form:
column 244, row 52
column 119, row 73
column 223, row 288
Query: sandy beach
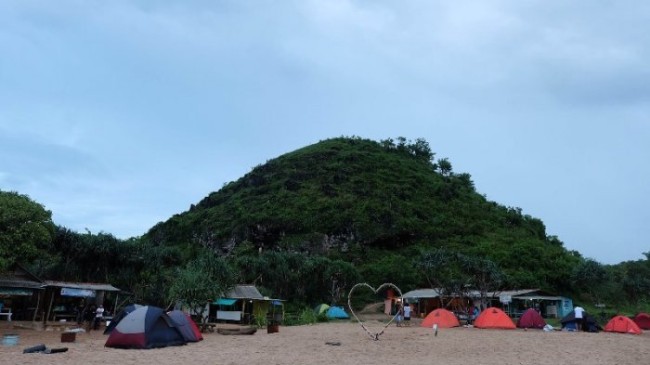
column 351, row 345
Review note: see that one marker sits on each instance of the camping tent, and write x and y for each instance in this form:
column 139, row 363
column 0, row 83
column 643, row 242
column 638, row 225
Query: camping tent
column 494, row 318
column 442, row 317
column 337, row 313
column 186, row 325
column 119, row 316
column 321, row 308
column 642, row 320
column 531, row 319
column 622, row 324
column 144, row 328
column 569, row 322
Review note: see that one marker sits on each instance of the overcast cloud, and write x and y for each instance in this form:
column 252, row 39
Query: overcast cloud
column 116, row 115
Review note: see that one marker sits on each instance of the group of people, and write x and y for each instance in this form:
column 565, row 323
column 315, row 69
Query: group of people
column 90, row 315
column 403, row 314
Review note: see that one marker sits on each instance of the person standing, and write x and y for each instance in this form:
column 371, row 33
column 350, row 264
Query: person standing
column 579, row 315
column 407, row 314
column 99, row 314
column 89, row 317
column 400, row 313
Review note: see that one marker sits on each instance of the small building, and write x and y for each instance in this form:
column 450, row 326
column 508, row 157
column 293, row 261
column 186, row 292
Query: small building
column 547, row 304
column 20, row 294
column 244, row 304
column 514, row 302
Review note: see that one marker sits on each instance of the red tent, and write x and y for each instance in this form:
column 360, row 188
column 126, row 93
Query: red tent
column 622, row 324
column 643, row 320
column 531, row 319
column 494, row 318
column 442, row 317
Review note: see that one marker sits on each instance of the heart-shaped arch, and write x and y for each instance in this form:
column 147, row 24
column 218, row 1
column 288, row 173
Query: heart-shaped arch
column 374, row 336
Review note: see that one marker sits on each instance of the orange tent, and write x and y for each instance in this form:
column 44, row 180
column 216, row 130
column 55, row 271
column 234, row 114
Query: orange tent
column 442, row 317
column 494, row 318
column 622, row 324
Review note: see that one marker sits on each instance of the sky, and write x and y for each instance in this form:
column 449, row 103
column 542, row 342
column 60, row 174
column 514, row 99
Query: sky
column 116, row 115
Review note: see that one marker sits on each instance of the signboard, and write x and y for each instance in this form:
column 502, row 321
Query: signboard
column 505, row 298
column 71, row 292
column 229, row 315
column 15, row 291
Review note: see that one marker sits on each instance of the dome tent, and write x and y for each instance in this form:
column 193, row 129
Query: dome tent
column 335, row 312
column 144, row 328
column 494, row 318
column 442, row 317
column 531, row 319
column 321, row 308
column 186, row 326
column 622, row 324
column 642, row 320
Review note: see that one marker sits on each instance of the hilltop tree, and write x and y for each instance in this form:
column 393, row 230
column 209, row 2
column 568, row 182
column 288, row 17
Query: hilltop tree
column 26, row 229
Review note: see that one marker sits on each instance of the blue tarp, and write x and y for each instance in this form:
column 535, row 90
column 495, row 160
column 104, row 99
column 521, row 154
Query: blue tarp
column 337, row 312
column 225, row 301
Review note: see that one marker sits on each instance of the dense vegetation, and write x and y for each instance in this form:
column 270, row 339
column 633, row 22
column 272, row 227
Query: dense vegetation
column 309, row 224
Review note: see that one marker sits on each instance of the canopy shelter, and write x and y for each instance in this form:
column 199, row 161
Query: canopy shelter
column 67, row 300
column 244, row 304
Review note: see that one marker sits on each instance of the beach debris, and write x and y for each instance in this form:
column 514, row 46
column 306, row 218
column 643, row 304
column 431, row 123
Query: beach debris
column 333, row 343
column 435, row 330
column 36, row 348
column 42, row 349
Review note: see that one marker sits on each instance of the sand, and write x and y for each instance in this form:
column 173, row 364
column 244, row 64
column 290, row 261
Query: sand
column 309, row 345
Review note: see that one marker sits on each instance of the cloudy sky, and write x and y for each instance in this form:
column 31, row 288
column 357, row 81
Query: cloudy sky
column 117, row 114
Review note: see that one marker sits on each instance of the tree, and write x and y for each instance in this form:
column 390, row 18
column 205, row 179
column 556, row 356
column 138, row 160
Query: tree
column 485, row 275
column 26, row 229
column 199, row 282
column 443, row 273
column 444, row 166
column 589, row 276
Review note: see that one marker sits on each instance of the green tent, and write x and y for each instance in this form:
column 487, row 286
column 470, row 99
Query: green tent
column 321, row 308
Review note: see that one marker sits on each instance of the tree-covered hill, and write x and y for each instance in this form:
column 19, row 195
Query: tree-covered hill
column 309, row 224
column 363, row 201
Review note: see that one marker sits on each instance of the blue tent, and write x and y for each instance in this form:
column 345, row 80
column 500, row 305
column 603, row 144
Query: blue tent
column 337, row 313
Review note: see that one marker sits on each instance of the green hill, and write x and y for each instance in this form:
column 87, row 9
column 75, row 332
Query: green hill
column 368, row 203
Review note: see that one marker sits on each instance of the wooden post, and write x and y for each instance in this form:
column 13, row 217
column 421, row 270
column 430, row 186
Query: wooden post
column 38, row 304
column 49, row 309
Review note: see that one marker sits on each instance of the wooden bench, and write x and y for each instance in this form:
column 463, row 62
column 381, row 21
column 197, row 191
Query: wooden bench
column 65, row 316
column 60, row 326
column 7, row 313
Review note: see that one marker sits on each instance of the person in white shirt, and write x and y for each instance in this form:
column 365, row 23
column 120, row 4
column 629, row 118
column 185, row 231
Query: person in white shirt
column 578, row 313
column 407, row 314
column 99, row 314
